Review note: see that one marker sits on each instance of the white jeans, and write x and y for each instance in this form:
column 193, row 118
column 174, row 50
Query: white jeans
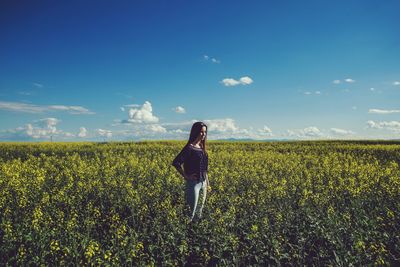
column 192, row 196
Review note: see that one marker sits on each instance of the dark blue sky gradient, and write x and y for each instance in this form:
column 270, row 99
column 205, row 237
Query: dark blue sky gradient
column 91, row 53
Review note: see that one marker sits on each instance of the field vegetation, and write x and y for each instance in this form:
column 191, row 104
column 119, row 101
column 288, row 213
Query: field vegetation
column 280, row 203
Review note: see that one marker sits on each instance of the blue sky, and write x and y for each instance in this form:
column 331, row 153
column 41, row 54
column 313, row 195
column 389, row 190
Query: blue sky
column 134, row 70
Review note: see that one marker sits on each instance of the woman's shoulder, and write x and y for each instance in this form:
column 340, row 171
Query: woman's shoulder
column 193, row 147
column 189, row 147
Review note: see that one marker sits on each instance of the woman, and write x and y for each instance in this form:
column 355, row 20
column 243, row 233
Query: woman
column 194, row 158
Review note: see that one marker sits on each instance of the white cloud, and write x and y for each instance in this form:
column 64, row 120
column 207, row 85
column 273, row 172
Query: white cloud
column 156, row 128
column 104, row 133
column 354, row 107
column 180, row 109
column 372, row 124
column 246, row 80
column 49, row 123
column 142, row 124
column 124, row 107
column 35, row 133
column 396, row 83
column 21, row 107
column 383, row 111
column 132, row 106
column 178, row 127
column 230, row 82
column 145, row 132
column 349, row 80
column 309, row 132
column 43, row 128
column 336, row 81
column 212, row 59
column 31, row 108
column 265, row 131
column 227, row 128
column 386, row 125
column 292, row 132
column 372, row 89
column 179, row 131
column 221, row 125
column 66, row 134
column 71, row 109
column 82, row 132
column 312, row 131
column 217, row 129
column 144, row 114
column 182, row 124
column 38, row 85
column 341, row 131
column 310, row 93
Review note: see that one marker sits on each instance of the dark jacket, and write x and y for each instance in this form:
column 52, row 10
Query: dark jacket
column 193, row 160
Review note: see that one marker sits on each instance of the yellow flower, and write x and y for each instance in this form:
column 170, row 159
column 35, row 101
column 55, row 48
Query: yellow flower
column 54, row 246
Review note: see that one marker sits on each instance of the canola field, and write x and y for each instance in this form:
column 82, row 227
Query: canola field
column 318, row 203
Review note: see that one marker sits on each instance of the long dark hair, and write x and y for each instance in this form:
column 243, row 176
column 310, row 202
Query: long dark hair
column 194, row 133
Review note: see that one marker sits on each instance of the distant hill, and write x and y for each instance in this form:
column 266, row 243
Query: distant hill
column 250, row 139
column 366, row 141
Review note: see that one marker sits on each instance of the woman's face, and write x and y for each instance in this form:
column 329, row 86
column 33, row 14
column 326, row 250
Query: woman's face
column 203, row 133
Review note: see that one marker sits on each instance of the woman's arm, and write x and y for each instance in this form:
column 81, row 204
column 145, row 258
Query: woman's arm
column 179, row 159
column 181, row 171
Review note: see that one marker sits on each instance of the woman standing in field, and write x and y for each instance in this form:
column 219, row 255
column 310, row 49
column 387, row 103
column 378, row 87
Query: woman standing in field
column 194, row 158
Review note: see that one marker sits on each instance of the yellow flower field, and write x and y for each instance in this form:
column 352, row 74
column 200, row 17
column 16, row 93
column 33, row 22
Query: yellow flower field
column 290, row 203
